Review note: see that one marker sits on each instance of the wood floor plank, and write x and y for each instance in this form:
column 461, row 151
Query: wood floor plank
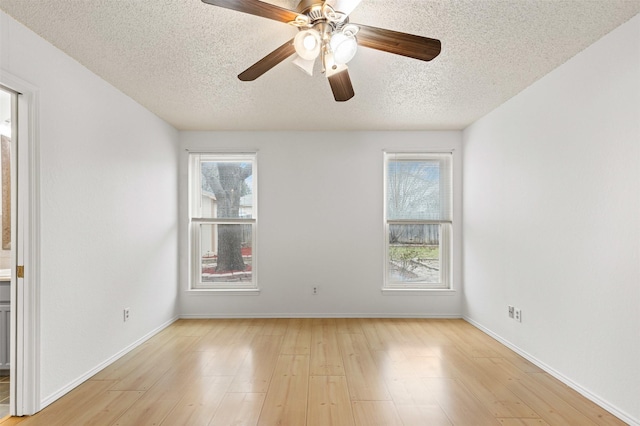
column 349, row 325
column 193, row 327
column 485, row 386
column 224, row 361
column 124, row 365
column 152, row 365
column 499, row 349
column 325, row 353
column 371, row 333
column 412, row 339
column 545, row 395
column 469, row 344
column 329, row 402
column 430, row 344
column 410, row 391
column 297, row 339
column 239, row 409
column 405, row 339
column 522, row 422
column 156, row 364
column 128, row 363
column 63, row 411
column 286, row 399
column 421, row 415
column 548, row 406
column 254, row 374
column 400, row 365
column 199, row 402
column 12, row 421
column 157, row 402
column 437, row 336
column 227, row 333
column 226, row 353
column 105, row 409
column 274, row 326
column 521, row 363
column 233, row 334
column 573, row 398
column 376, row 413
column 364, row 380
column 459, row 403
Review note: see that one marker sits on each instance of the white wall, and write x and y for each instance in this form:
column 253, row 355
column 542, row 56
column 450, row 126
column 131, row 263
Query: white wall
column 552, row 221
column 320, row 223
column 108, row 180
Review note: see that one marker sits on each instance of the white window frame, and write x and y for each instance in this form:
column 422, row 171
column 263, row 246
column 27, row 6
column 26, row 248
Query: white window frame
column 446, row 225
column 196, row 220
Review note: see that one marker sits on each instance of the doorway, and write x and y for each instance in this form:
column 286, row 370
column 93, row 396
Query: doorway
column 8, row 126
column 19, row 310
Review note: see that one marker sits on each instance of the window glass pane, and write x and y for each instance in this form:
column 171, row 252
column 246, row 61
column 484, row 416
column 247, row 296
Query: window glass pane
column 414, row 253
column 226, row 189
column 416, row 189
column 226, row 253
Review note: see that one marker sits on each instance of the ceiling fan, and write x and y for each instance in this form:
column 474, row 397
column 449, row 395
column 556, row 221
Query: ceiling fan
column 326, row 33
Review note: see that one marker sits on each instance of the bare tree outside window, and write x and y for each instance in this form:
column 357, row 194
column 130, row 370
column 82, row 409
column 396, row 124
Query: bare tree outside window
column 415, row 204
column 225, row 219
column 226, row 181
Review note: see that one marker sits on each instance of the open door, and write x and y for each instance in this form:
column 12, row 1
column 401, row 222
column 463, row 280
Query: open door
column 8, row 113
column 20, row 329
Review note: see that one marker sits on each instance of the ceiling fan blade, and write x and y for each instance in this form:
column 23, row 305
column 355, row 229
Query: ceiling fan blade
column 268, row 62
column 412, row 46
column 258, row 8
column 340, row 83
column 344, row 6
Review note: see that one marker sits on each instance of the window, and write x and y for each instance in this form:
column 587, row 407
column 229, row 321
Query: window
column 222, row 221
column 418, row 220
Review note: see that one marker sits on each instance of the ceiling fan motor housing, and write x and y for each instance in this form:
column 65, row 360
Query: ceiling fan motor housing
column 306, row 5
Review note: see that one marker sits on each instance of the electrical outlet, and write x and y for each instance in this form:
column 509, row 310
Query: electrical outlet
column 125, row 314
column 518, row 315
column 511, row 314
column 315, row 290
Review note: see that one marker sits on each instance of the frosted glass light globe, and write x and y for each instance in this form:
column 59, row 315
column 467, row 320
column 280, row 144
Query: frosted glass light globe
column 307, row 44
column 344, row 47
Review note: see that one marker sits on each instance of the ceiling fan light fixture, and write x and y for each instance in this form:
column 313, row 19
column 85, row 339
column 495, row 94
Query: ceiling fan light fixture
column 307, row 44
column 305, row 65
column 343, row 46
column 324, row 31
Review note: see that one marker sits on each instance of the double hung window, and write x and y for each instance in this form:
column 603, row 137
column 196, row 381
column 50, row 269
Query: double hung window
column 222, row 220
column 418, row 220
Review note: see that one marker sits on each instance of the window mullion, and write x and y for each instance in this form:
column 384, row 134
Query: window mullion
column 222, row 221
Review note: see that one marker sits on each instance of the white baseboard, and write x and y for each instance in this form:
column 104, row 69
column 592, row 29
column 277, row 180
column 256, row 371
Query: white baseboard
column 625, row 417
column 318, row 315
column 77, row 382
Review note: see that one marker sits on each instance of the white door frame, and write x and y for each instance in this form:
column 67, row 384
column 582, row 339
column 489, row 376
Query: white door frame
column 25, row 294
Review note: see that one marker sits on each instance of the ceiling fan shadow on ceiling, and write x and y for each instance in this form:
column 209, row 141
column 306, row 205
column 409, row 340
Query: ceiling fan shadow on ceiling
column 325, row 33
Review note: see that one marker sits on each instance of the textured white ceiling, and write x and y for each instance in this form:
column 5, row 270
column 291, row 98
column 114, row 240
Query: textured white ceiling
column 180, row 59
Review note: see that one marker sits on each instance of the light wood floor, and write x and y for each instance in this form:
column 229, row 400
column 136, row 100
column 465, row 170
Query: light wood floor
column 297, row 372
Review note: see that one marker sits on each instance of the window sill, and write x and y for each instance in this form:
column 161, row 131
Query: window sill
column 223, row 292
column 418, row 292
